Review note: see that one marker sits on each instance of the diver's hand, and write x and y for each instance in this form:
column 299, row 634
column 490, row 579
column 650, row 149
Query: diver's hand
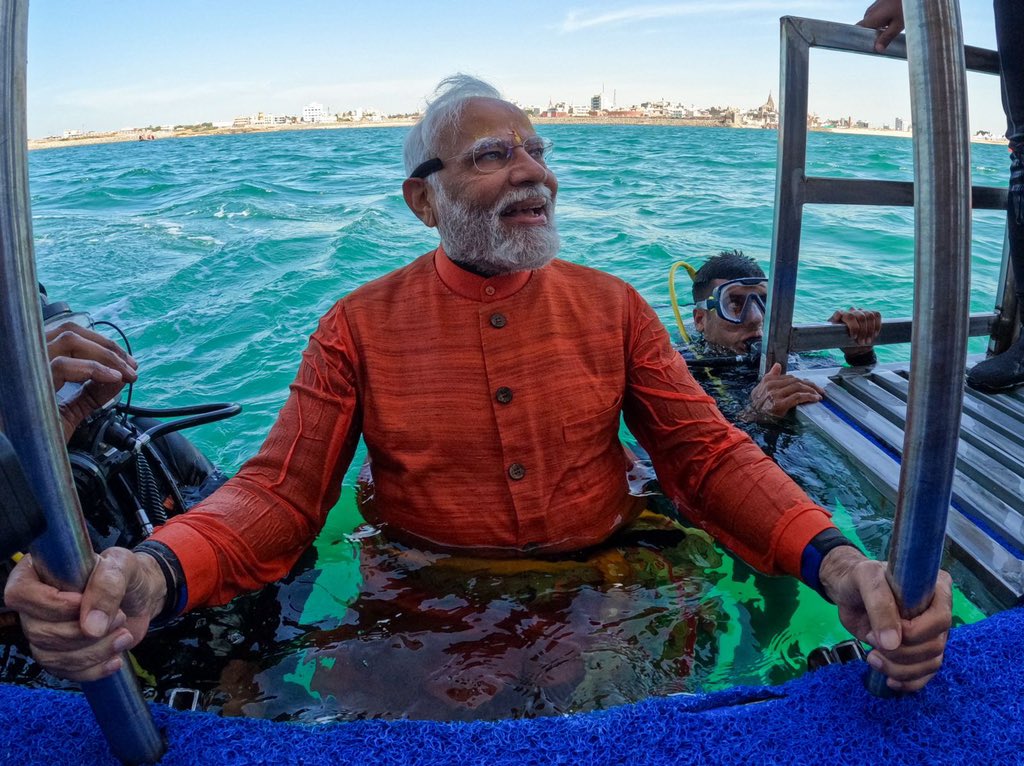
column 907, row 652
column 776, row 394
column 863, row 326
column 885, row 16
column 80, row 636
column 79, row 355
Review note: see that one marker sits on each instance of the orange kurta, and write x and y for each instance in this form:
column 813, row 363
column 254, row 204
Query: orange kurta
column 490, row 409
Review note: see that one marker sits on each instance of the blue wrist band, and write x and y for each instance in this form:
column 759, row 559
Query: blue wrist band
column 814, row 554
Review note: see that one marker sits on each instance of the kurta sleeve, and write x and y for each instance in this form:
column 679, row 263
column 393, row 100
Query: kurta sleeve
column 713, row 471
column 251, row 531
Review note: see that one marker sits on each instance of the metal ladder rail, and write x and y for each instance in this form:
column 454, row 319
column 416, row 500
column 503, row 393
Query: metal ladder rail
column 28, row 409
column 795, row 189
column 942, row 225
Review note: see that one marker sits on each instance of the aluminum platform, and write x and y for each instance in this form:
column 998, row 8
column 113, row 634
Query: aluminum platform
column 863, row 415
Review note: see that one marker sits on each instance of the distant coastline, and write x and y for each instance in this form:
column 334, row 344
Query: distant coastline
column 134, row 136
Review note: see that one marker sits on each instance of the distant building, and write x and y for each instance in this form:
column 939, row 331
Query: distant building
column 899, row 124
column 595, row 103
column 259, row 120
column 766, row 115
column 313, row 112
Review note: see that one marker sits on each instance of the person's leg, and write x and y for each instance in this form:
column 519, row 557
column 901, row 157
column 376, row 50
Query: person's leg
column 1006, row 370
column 1009, row 15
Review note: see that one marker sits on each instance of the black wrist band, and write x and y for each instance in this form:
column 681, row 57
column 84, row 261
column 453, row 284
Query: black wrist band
column 862, row 359
column 173, row 579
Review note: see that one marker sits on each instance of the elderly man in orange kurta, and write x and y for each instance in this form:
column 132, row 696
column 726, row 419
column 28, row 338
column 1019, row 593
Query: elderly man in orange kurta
column 488, row 379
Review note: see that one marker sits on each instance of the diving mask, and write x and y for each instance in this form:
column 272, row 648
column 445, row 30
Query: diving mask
column 738, row 300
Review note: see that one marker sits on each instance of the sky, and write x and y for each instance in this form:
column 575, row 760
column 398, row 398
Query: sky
column 107, row 65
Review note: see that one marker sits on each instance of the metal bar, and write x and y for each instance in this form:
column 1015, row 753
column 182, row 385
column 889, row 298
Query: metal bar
column 843, row 37
column 868, row 409
column 824, row 190
column 1004, row 402
column 995, row 433
column 824, row 335
column 942, row 254
column 28, row 410
column 792, row 157
column 997, row 471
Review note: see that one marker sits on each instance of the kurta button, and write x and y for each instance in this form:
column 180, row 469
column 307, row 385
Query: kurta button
column 503, row 395
column 516, row 471
column 489, row 290
column 498, row 320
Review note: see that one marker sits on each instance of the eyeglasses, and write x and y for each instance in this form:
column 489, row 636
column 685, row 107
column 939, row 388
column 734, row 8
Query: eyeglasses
column 737, row 300
column 491, row 155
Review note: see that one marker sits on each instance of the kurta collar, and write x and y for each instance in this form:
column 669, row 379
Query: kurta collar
column 473, row 286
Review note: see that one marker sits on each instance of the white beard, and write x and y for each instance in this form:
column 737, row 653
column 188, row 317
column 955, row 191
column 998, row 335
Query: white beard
column 479, row 240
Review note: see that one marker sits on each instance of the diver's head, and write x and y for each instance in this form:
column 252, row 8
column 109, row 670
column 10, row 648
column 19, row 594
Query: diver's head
column 729, row 294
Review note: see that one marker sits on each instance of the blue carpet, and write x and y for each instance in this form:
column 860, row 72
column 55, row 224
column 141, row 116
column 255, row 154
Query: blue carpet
column 971, row 713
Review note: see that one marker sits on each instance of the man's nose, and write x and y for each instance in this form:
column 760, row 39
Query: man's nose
column 755, row 317
column 524, row 169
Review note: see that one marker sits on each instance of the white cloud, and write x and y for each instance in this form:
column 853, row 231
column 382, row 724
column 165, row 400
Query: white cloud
column 575, row 21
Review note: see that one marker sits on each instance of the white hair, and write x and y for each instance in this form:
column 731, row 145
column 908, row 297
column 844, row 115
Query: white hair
column 442, row 112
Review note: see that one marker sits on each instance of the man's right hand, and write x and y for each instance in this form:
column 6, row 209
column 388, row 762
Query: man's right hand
column 776, row 394
column 885, row 16
column 81, row 636
column 79, row 355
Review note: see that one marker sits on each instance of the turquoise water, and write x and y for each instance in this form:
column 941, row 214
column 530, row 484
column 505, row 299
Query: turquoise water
column 217, row 255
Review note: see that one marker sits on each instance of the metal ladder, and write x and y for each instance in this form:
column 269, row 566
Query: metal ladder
column 865, row 413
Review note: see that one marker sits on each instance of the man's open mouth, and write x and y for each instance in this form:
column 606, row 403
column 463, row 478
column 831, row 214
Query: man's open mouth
column 533, row 210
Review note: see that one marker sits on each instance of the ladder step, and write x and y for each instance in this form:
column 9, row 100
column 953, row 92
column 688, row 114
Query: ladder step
column 864, row 417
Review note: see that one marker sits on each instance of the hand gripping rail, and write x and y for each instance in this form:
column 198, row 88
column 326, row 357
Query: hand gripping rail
column 28, row 413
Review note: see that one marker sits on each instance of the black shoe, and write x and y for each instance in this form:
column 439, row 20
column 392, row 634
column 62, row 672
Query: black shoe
column 1001, row 372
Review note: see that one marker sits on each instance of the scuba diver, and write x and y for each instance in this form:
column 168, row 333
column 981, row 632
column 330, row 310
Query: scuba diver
column 729, row 295
column 132, row 469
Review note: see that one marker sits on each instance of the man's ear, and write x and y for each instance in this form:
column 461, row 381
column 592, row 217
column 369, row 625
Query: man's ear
column 699, row 315
column 417, row 196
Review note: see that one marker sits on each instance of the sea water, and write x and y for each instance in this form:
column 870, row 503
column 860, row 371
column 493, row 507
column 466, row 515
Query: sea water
column 216, row 255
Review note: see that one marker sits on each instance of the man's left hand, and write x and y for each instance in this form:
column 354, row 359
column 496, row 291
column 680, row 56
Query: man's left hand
column 862, row 325
column 907, row 652
column 777, row 393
